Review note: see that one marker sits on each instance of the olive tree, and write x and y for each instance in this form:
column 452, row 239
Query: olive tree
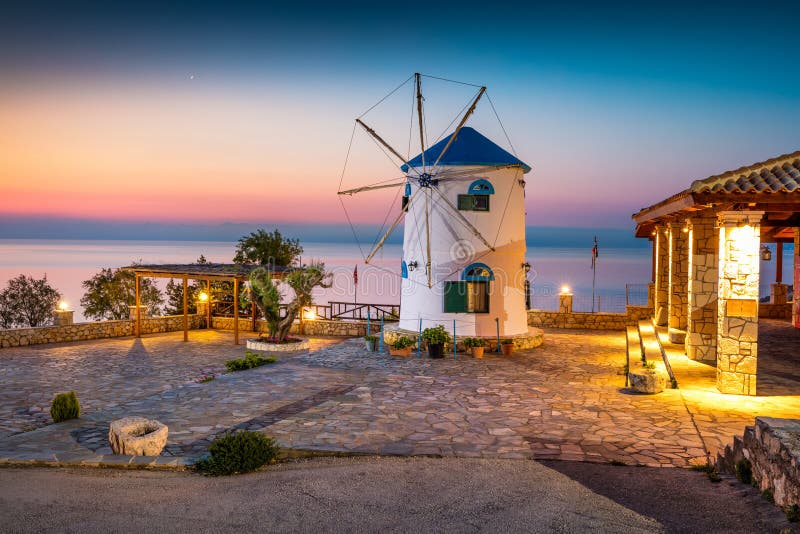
column 27, row 301
column 111, row 291
column 267, row 298
column 302, row 281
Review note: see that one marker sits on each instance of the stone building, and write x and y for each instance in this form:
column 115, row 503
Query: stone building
column 708, row 243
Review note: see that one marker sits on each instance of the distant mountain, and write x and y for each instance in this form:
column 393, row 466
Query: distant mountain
column 60, row 228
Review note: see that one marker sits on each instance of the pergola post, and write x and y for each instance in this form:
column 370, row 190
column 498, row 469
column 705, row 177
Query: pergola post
column 678, row 281
column 661, row 278
column 138, row 309
column 235, row 311
column 701, row 323
column 737, row 330
column 208, row 306
column 778, row 292
column 185, row 309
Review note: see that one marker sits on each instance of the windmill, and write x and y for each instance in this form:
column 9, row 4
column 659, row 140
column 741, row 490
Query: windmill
column 431, row 183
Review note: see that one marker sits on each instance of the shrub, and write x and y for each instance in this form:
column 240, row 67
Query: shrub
column 241, row 452
column 402, row 342
column 65, row 406
column 744, row 471
column 370, row 338
column 250, row 360
column 507, row 342
column 767, row 495
column 202, row 379
column 709, row 469
column 474, row 342
column 650, row 366
column 436, row 335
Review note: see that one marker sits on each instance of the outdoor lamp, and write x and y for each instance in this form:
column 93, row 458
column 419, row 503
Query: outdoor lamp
column 766, row 253
column 564, row 290
column 203, row 297
column 309, row 315
column 412, row 265
column 62, row 306
column 527, row 267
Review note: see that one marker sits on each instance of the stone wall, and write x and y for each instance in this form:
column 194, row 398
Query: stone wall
column 772, row 446
column 20, row 337
column 589, row 321
column 701, row 324
column 775, row 311
column 317, row 327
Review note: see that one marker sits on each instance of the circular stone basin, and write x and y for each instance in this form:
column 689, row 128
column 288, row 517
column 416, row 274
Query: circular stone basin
column 137, row 436
column 255, row 344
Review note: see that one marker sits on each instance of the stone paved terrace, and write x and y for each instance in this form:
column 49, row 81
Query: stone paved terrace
column 564, row 400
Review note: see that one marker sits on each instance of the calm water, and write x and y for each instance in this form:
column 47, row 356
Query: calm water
column 68, row 263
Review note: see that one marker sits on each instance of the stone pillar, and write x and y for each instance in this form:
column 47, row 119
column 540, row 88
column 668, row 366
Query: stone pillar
column 678, row 281
column 63, row 317
column 132, row 312
column 778, row 294
column 796, row 279
column 701, row 322
column 661, row 274
column 737, row 326
column 565, row 303
column 651, row 295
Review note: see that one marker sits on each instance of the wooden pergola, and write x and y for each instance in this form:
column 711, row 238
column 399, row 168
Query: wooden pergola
column 208, row 272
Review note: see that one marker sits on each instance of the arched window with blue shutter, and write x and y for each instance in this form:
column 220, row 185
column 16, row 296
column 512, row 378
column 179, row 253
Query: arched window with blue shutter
column 481, row 187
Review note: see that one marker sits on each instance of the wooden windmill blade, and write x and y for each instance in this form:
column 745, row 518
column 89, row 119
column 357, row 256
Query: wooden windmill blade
column 372, row 187
column 388, row 232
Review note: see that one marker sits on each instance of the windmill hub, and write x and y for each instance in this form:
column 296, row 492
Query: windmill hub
column 425, row 180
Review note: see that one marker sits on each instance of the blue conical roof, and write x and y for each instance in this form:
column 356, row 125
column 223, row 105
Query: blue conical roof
column 469, row 148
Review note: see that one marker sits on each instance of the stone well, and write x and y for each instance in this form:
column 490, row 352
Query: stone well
column 137, row 436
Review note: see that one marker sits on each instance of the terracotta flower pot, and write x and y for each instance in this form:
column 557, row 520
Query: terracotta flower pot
column 477, row 352
column 507, row 348
column 406, row 352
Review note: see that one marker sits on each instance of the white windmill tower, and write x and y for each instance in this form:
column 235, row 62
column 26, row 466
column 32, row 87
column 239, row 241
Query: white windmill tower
column 464, row 232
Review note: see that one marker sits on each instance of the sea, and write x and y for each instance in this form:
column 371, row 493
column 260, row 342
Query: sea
column 621, row 275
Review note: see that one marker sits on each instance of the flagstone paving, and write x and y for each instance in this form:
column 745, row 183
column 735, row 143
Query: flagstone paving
column 564, row 400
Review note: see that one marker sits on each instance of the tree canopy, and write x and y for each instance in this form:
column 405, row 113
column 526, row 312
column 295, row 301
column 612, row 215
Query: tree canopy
column 27, row 301
column 111, row 291
column 267, row 248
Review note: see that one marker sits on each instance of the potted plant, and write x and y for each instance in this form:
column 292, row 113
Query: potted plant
column 476, row 346
column 401, row 346
column 371, row 342
column 436, row 337
column 507, row 346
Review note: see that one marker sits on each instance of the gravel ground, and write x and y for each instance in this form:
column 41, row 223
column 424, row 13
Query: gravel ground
column 384, row 494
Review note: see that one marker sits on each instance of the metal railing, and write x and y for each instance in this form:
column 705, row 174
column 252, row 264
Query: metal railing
column 332, row 311
column 636, row 294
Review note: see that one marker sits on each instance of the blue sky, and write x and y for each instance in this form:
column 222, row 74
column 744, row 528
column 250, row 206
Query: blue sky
column 615, row 106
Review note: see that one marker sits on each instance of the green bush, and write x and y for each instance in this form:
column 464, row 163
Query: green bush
column 507, row 342
column 474, row 342
column 370, row 338
column 744, row 471
column 241, row 452
column 250, row 360
column 650, row 366
column 65, row 406
column 436, row 335
column 402, row 342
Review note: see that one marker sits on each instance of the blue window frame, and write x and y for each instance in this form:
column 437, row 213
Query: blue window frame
column 403, row 269
column 477, row 272
column 481, row 187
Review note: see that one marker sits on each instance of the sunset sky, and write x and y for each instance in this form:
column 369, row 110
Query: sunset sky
column 200, row 114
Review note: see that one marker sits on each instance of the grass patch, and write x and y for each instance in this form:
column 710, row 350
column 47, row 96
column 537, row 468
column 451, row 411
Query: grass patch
column 250, row 360
column 744, row 471
column 709, row 469
column 241, row 452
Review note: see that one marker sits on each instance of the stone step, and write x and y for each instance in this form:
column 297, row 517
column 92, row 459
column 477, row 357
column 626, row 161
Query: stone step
column 652, row 349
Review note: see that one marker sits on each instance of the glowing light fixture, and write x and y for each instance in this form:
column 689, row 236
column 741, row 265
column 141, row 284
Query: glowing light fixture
column 766, row 253
column 309, row 315
column 412, row 265
column 203, row 296
column 565, row 290
column 62, row 306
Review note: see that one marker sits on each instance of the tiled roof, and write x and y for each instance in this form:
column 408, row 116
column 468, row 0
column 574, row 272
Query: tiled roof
column 776, row 175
